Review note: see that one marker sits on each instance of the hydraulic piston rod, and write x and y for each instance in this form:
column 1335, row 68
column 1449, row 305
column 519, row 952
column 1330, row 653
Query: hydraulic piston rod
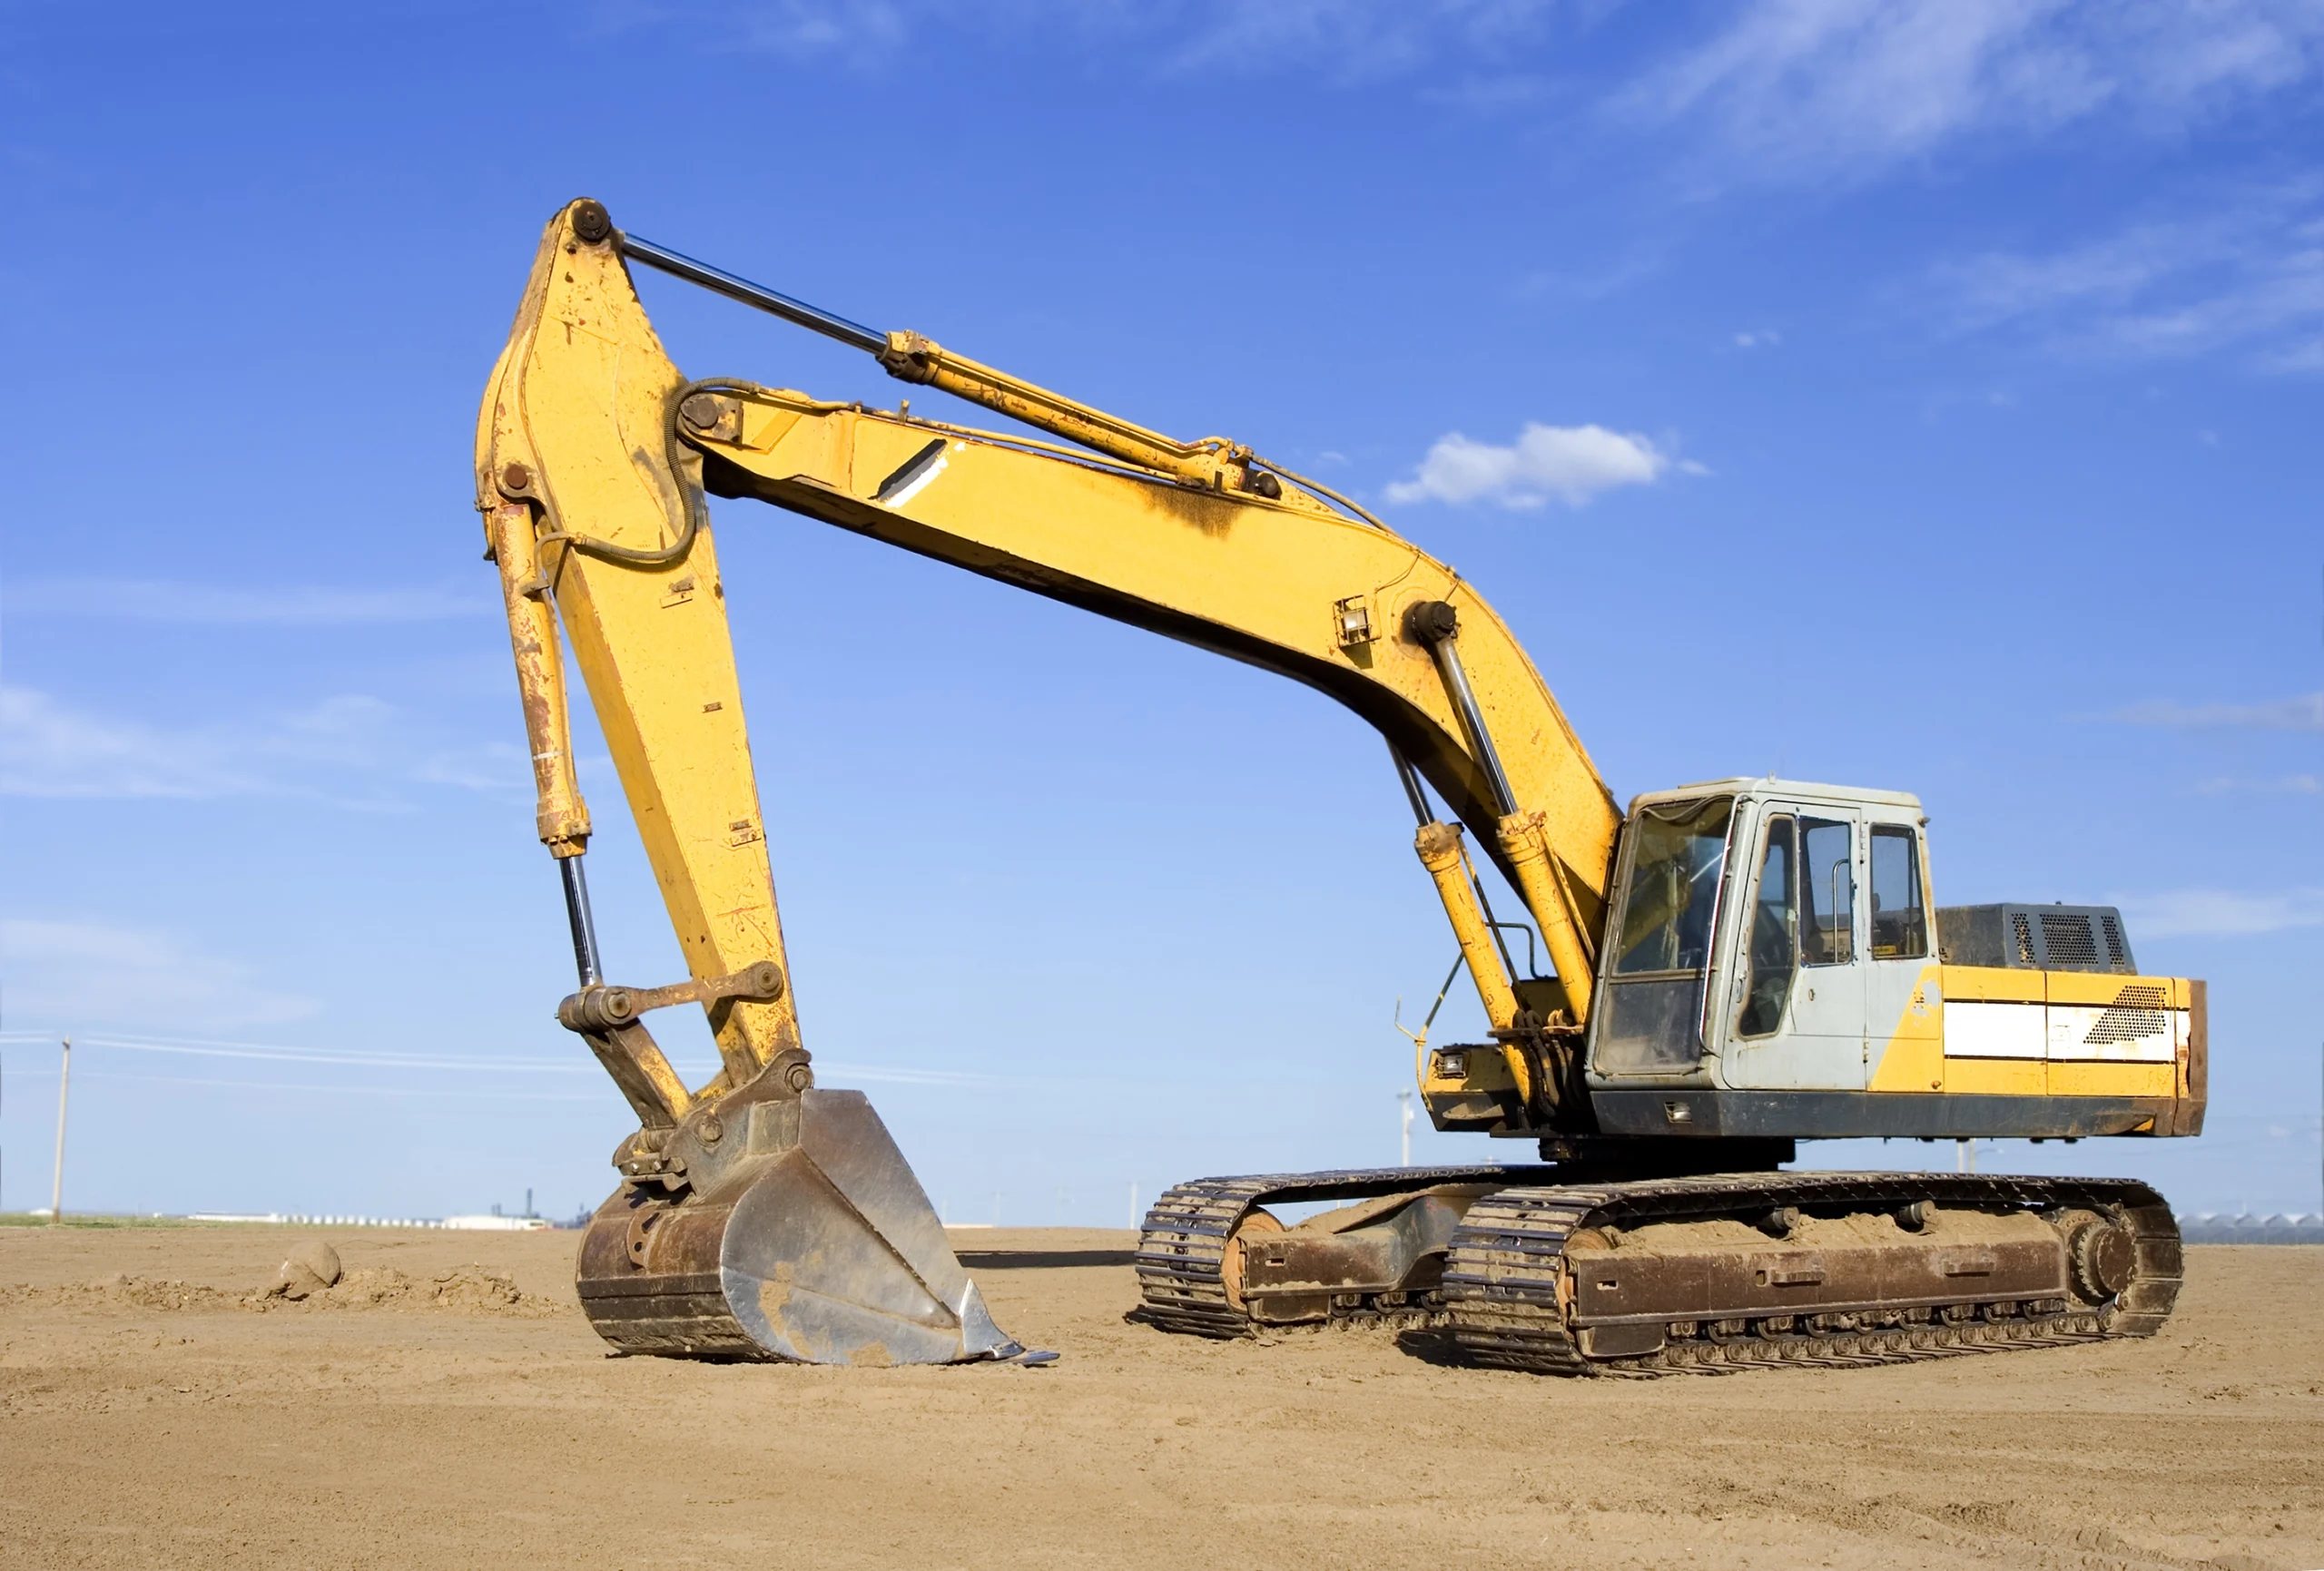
column 583, row 925
column 855, row 335
column 1435, row 624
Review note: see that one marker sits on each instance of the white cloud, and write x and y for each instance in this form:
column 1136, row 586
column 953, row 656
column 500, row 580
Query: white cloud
column 1569, row 464
column 2220, row 913
column 353, row 749
column 160, row 600
column 1796, row 89
column 2246, row 273
column 76, row 975
column 2305, row 712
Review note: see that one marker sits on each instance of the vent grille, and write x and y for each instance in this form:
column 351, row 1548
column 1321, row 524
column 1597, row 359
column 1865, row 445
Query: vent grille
column 2067, row 941
column 2136, row 1012
column 2030, row 937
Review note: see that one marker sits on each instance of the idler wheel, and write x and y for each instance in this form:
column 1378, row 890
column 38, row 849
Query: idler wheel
column 2104, row 1260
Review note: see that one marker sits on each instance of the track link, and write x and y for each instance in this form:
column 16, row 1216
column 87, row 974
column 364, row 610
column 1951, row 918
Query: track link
column 1509, row 1296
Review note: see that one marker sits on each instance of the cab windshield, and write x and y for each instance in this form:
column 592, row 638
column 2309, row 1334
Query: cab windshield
column 1680, row 852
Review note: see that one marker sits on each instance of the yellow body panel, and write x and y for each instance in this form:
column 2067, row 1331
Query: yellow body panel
column 2103, row 989
column 2097, row 1079
column 1914, row 1059
column 2078, row 1034
column 1993, row 984
column 1997, row 1076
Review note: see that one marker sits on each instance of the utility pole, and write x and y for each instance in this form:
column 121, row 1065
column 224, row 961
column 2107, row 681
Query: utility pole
column 1405, row 1113
column 64, row 1089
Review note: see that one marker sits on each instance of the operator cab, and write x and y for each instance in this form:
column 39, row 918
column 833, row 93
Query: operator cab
column 1775, row 968
column 1778, row 870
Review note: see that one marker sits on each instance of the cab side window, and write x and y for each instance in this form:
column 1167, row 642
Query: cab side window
column 1827, row 893
column 1899, row 919
column 1773, row 948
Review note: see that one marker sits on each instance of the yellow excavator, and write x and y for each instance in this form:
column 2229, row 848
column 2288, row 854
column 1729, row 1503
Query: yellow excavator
column 1732, row 967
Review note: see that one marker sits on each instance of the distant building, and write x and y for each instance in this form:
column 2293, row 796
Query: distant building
column 2213, row 1229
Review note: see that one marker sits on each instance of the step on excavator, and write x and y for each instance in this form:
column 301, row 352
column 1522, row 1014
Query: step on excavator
column 1732, row 967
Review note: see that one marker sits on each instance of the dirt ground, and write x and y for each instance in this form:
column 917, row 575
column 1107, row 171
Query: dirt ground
column 442, row 1417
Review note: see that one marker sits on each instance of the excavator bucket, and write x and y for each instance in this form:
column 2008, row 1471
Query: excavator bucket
column 796, row 1232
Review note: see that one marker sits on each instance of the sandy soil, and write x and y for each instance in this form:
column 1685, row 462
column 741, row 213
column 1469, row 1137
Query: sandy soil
column 447, row 1418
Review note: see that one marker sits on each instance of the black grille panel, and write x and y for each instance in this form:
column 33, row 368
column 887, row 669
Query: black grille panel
column 2036, row 938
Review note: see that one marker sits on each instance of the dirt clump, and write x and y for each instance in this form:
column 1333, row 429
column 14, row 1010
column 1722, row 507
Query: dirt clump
column 310, row 1279
column 122, row 1290
column 463, row 1289
column 310, row 1268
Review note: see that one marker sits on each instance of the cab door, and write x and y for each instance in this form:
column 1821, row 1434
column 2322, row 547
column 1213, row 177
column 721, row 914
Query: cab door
column 1795, row 1018
column 1901, row 997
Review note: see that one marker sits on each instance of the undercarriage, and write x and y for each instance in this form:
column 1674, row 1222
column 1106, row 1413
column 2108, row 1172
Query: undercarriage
column 1541, row 1269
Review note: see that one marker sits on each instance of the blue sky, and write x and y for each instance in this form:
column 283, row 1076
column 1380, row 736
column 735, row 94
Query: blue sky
column 1919, row 395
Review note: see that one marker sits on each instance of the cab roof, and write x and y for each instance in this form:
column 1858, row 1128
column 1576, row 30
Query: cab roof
column 1789, row 789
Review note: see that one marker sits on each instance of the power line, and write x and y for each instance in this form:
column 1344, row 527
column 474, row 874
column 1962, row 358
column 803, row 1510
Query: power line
column 199, row 1048
column 319, row 1089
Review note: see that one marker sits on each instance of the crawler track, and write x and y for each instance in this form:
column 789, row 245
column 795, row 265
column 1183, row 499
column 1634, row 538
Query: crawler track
column 1508, row 1286
column 1514, row 1296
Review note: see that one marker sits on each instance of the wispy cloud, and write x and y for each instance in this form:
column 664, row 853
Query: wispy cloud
column 1350, row 40
column 81, row 974
column 1826, row 89
column 48, row 750
column 2246, row 274
column 1569, row 464
column 1769, row 90
column 351, row 749
column 2220, row 913
column 2305, row 712
column 161, row 600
